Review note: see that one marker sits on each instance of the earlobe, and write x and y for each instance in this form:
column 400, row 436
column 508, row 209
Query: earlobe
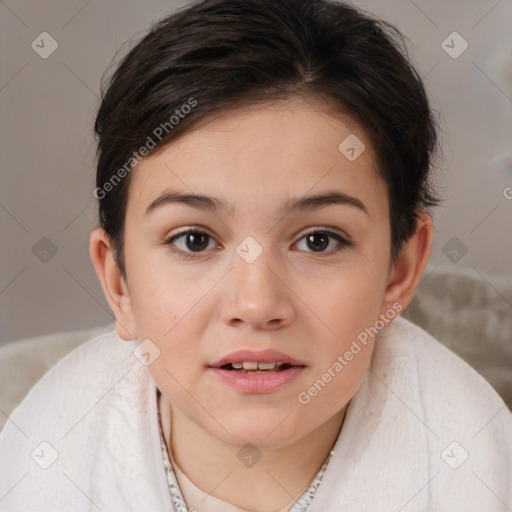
column 407, row 270
column 114, row 285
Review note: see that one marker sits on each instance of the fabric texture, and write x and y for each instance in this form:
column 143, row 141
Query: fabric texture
column 470, row 313
column 424, row 432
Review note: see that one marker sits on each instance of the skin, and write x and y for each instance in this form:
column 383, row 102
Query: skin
column 309, row 304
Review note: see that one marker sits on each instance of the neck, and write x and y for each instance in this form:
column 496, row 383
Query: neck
column 276, row 481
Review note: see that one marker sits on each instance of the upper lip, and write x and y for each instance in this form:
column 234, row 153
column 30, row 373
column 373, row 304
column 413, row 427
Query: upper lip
column 263, row 356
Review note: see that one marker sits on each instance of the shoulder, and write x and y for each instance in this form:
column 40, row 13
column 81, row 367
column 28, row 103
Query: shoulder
column 436, row 365
column 61, row 396
column 445, row 377
column 462, row 425
column 90, row 368
column 86, row 423
column 453, row 398
column 64, row 419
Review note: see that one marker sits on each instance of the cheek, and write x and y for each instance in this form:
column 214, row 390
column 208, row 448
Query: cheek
column 350, row 309
column 343, row 357
column 351, row 303
column 155, row 308
column 179, row 357
column 159, row 296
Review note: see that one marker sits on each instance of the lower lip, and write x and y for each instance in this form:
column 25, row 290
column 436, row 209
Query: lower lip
column 258, row 382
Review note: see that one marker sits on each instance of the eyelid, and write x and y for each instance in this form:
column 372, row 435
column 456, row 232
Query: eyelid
column 343, row 241
column 197, row 228
column 332, row 232
column 191, row 229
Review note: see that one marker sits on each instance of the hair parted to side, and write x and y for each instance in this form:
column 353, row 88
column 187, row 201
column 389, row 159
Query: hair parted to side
column 218, row 55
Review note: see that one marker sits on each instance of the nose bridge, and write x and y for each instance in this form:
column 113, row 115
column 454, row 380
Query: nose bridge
column 257, row 295
column 252, row 268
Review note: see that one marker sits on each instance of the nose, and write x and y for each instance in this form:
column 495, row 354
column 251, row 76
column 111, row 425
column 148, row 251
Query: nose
column 257, row 295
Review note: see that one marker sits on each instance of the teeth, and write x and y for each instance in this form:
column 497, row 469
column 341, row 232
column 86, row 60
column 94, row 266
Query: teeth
column 252, row 365
column 267, row 366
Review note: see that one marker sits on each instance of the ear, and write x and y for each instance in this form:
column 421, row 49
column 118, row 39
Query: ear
column 114, row 285
column 406, row 272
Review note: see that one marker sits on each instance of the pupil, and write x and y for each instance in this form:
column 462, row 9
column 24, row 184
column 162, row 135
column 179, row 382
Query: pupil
column 323, row 244
column 193, row 238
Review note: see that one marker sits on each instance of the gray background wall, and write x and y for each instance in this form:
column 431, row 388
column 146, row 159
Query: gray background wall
column 48, row 107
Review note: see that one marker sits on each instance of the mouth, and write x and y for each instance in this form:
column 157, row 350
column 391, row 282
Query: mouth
column 255, row 367
column 251, row 372
column 247, row 360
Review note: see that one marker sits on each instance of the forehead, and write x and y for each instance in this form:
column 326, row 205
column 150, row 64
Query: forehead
column 257, row 156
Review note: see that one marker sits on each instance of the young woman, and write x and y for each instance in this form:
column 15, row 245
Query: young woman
column 264, row 192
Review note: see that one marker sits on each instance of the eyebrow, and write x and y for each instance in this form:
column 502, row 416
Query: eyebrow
column 307, row 203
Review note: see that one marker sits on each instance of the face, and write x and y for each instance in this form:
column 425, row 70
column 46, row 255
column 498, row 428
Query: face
column 256, row 273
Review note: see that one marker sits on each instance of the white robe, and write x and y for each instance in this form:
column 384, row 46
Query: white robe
column 424, row 432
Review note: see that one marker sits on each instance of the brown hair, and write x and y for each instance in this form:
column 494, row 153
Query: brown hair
column 222, row 54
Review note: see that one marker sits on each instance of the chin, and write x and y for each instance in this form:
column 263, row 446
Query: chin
column 266, row 430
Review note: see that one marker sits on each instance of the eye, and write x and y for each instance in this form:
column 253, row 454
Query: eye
column 196, row 241
column 319, row 240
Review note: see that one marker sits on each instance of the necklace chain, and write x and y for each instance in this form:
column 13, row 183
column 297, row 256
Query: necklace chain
column 178, row 501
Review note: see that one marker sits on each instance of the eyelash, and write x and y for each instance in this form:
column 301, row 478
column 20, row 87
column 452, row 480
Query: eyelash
column 343, row 243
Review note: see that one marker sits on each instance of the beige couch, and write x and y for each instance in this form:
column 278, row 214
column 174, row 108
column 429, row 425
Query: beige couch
column 467, row 311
